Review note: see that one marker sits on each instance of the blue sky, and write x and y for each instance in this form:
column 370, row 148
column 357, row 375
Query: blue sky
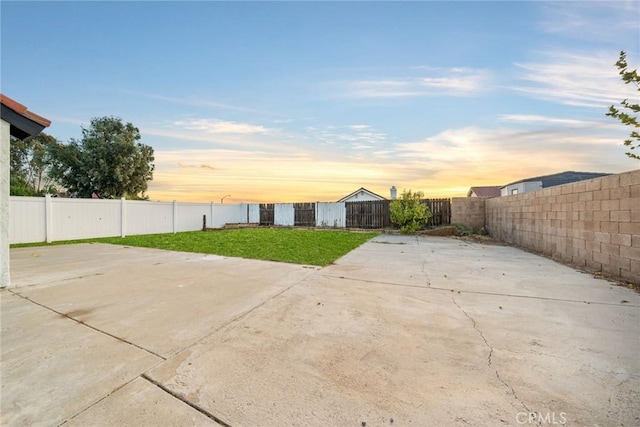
column 300, row 101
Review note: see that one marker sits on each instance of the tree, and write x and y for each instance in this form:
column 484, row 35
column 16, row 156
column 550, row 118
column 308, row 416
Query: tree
column 30, row 164
column 408, row 212
column 628, row 119
column 107, row 161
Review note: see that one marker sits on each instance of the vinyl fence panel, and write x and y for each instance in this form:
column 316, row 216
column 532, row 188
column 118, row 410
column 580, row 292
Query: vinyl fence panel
column 27, row 220
column 253, row 213
column 284, row 214
column 330, row 215
column 148, row 217
column 85, row 218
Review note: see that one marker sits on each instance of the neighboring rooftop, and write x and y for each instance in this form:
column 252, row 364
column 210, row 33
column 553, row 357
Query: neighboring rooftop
column 487, row 191
column 371, row 194
column 561, row 178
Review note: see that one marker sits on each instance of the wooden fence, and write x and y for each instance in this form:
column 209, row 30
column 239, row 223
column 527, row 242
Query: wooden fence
column 375, row 214
column 369, row 214
column 267, row 215
column 440, row 212
column 304, row 214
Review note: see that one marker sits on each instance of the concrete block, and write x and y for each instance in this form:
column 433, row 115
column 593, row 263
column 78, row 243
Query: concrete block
column 594, row 205
column 630, row 178
column 592, row 245
column 635, row 240
column 586, row 196
column 607, row 248
column 634, row 190
column 621, row 216
column 629, row 227
column 620, row 262
column 586, row 215
column 587, row 235
column 630, row 276
column 610, row 227
column 635, row 266
column 601, row 215
column 622, row 239
column 630, row 252
column 579, row 186
column 611, row 205
column 573, row 197
column 593, row 266
column 602, row 194
column 620, row 192
column 593, row 184
column 603, row 259
column 602, row 237
column 612, row 181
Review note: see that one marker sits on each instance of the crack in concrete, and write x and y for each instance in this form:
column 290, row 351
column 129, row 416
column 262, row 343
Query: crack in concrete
column 490, row 356
column 186, row 401
column 64, row 279
column 379, row 282
column 87, row 325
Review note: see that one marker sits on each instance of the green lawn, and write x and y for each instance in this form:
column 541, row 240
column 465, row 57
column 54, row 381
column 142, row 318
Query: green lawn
column 312, row 247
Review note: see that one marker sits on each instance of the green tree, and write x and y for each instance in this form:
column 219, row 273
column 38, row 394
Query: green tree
column 408, row 212
column 30, row 164
column 108, row 161
column 628, row 118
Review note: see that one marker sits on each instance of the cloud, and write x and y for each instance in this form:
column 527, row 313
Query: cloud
column 600, row 21
column 214, row 126
column 577, row 79
column 197, row 166
column 432, row 82
column 196, row 102
column 537, row 120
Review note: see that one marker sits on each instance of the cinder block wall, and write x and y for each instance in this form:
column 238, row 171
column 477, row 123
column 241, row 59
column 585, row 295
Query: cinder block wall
column 468, row 211
column 594, row 224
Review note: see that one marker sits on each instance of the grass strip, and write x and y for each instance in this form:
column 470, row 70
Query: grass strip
column 297, row 246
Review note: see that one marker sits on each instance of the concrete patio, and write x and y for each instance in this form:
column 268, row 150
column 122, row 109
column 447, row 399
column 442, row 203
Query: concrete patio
column 421, row 331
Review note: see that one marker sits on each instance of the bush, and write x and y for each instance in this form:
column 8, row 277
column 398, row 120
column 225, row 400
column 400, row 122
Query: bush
column 408, row 212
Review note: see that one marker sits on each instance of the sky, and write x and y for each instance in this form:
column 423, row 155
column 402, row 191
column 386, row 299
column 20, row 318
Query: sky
column 309, row 101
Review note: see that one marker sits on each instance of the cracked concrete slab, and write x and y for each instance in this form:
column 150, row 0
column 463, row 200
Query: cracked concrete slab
column 140, row 403
column 53, row 367
column 160, row 300
column 421, row 330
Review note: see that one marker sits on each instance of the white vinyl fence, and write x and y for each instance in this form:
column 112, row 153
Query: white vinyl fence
column 48, row 219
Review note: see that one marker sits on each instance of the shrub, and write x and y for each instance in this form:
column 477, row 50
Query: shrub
column 408, row 212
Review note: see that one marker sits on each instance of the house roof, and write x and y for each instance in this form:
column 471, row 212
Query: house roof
column 366, row 191
column 24, row 123
column 561, row 178
column 487, row 191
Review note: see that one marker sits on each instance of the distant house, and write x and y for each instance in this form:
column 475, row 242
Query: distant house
column 490, row 191
column 538, row 182
column 362, row 195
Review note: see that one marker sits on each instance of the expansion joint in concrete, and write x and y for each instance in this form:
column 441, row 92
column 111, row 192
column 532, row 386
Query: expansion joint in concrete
column 87, row 325
column 186, row 401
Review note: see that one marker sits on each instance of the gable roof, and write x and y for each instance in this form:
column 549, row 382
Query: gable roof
column 371, row 193
column 23, row 123
column 486, row 191
column 561, row 178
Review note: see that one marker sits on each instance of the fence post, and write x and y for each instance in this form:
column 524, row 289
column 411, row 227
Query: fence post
column 123, row 217
column 175, row 217
column 48, row 218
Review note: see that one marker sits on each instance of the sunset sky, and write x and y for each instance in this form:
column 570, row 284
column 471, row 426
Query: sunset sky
column 308, row 101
